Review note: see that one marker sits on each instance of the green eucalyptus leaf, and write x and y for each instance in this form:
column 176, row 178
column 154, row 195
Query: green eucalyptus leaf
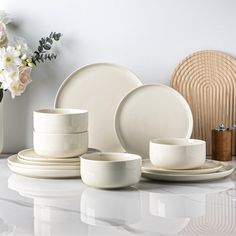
column 47, row 46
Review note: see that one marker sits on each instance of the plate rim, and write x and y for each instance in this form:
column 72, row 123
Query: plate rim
column 118, row 110
column 43, row 172
column 133, row 77
column 46, row 158
column 44, row 163
column 12, row 161
column 168, row 171
column 70, row 76
column 215, row 175
column 64, row 160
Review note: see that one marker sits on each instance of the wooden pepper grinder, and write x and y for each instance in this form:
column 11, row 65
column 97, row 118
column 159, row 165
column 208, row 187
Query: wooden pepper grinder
column 222, row 144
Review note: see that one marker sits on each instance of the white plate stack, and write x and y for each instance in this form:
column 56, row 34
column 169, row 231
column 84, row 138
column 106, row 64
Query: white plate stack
column 60, row 138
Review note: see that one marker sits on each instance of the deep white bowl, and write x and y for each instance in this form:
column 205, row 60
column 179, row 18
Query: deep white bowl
column 60, row 145
column 177, row 153
column 59, row 121
column 110, row 170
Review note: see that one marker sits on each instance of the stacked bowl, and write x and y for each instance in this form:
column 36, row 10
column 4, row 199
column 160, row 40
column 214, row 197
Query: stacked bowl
column 60, row 133
column 60, row 137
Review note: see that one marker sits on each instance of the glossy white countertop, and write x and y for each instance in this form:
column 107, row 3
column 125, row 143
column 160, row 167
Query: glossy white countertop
column 67, row 207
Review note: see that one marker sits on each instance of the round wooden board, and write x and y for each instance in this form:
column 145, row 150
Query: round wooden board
column 207, row 80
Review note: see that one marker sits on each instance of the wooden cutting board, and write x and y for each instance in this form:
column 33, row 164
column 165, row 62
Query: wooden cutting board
column 207, row 80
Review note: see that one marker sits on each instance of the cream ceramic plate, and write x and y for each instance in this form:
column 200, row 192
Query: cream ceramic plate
column 43, row 173
column 152, row 111
column 49, row 163
column 98, row 88
column 14, row 161
column 224, row 171
column 30, row 155
column 209, row 166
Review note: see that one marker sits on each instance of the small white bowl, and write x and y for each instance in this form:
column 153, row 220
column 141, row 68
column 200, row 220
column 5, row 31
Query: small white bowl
column 177, row 153
column 60, row 145
column 60, row 121
column 110, row 170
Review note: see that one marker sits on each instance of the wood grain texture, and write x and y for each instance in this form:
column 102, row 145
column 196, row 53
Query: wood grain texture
column 207, row 80
column 222, row 145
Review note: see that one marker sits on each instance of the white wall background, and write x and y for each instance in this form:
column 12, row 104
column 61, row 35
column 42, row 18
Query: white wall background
column 148, row 36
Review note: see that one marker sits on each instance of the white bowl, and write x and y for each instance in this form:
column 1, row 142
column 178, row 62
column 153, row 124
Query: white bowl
column 59, row 121
column 110, row 170
column 60, row 145
column 177, row 153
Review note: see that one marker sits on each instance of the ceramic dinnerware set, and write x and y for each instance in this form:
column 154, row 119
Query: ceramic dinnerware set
column 151, row 123
column 60, row 137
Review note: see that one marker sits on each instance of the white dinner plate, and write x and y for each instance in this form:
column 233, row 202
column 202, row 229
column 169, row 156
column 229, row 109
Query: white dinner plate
column 152, row 111
column 224, row 171
column 43, row 173
column 15, row 161
column 209, row 166
column 98, row 88
column 48, row 163
column 30, row 155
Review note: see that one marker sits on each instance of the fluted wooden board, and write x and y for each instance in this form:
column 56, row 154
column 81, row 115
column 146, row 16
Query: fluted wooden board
column 207, row 80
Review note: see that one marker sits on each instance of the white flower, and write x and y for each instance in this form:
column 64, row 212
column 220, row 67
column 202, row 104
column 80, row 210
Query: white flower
column 6, row 78
column 9, row 59
column 3, row 35
column 5, row 17
column 22, row 46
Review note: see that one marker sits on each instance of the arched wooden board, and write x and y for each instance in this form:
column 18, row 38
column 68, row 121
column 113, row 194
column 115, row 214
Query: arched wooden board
column 207, row 80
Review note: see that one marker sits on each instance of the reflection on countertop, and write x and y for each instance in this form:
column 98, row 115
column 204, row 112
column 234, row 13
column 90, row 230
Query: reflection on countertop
column 67, row 207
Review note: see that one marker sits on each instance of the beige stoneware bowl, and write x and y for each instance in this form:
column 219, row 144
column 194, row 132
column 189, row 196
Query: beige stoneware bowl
column 60, row 121
column 60, row 145
column 110, row 170
column 177, row 153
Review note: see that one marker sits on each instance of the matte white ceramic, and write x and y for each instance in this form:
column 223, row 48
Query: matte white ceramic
column 209, row 166
column 60, row 145
column 110, row 170
column 31, row 156
column 50, row 163
column 98, row 88
column 177, row 153
column 60, row 121
column 152, row 111
column 225, row 171
column 14, row 161
column 43, row 173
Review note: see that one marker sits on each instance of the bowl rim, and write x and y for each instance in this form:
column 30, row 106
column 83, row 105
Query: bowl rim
column 60, row 111
column 128, row 157
column 193, row 142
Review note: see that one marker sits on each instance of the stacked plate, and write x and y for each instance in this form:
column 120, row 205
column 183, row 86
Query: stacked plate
column 210, row 170
column 28, row 163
